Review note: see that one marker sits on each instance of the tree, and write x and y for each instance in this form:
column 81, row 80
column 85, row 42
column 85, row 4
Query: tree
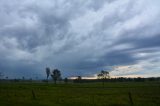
column 56, row 75
column 66, row 80
column 6, row 77
column 23, row 78
column 103, row 75
column 79, row 79
column 47, row 72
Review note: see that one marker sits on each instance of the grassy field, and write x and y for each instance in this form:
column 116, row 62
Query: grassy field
column 86, row 94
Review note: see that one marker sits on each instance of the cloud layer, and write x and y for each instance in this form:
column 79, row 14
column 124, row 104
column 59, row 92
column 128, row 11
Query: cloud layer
column 79, row 37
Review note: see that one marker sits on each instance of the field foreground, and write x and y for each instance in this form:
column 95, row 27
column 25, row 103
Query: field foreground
column 86, row 94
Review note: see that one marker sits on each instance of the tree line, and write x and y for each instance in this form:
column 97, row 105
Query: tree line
column 103, row 77
column 56, row 75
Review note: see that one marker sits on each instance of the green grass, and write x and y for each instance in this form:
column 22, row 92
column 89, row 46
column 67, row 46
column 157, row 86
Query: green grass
column 88, row 94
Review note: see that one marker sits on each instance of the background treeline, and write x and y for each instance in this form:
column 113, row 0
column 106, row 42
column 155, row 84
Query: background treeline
column 121, row 79
column 56, row 77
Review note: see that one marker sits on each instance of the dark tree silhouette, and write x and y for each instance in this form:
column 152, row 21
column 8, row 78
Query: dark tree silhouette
column 66, row 80
column 47, row 72
column 103, row 75
column 6, row 77
column 79, row 78
column 56, row 75
column 23, row 78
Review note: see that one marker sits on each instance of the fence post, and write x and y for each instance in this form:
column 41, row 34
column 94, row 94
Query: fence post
column 130, row 98
column 33, row 95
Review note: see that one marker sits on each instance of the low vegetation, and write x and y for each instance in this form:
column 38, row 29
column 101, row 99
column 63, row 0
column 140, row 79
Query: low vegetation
column 80, row 94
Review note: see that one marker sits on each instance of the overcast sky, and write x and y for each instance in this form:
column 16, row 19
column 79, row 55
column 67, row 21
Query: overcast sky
column 80, row 37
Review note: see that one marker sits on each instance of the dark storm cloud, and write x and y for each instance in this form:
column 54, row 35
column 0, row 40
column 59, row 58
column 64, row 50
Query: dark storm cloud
column 80, row 37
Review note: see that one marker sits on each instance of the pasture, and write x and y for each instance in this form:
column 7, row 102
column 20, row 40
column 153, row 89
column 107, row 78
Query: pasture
column 80, row 94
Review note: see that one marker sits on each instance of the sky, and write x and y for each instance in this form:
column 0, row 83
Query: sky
column 80, row 37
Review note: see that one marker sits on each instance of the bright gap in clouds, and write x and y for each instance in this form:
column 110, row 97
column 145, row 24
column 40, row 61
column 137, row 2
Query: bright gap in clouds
column 80, row 37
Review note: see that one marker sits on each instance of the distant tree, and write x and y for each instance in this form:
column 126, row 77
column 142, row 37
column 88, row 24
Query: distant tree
column 56, row 75
column 47, row 72
column 6, row 77
column 79, row 78
column 103, row 75
column 66, row 80
column 23, row 78
column 99, row 76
